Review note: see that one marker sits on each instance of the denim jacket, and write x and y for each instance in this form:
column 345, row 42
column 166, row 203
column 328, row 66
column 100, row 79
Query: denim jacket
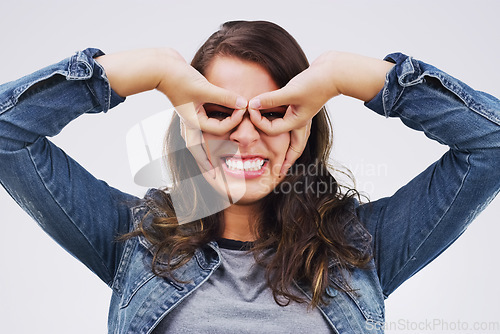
column 84, row 215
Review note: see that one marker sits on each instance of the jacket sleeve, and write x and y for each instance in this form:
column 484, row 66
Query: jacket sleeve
column 428, row 214
column 84, row 215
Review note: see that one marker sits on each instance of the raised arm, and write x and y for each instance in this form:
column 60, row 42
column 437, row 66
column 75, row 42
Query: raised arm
column 81, row 213
column 333, row 73
column 164, row 69
column 425, row 216
column 428, row 214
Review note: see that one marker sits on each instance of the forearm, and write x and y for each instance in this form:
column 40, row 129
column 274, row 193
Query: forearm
column 136, row 71
column 81, row 213
column 354, row 75
column 426, row 215
column 424, row 97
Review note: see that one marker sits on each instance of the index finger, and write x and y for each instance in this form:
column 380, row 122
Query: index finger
column 219, row 127
column 196, row 118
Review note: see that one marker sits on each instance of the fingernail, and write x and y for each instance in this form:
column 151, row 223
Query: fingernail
column 241, row 103
column 283, row 171
column 254, row 104
column 239, row 112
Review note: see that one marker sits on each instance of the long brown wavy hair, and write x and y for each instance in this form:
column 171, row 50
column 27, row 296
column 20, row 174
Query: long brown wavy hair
column 307, row 225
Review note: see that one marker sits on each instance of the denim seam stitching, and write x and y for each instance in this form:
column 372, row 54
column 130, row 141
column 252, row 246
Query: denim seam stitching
column 137, row 285
column 386, row 97
column 123, row 265
column 439, row 222
column 434, row 137
column 124, row 262
column 107, row 97
column 13, row 99
column 108, row 281
column 455, row 89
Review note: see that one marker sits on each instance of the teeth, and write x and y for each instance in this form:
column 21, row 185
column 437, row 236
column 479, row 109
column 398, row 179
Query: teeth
column 248, row 165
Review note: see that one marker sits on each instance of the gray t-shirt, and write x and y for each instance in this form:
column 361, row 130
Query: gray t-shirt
column 236, row 299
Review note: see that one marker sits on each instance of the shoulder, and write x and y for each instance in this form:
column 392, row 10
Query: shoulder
column 154, row 204
column 355, row 230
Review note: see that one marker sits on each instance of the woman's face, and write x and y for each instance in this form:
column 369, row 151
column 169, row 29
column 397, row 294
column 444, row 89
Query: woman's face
column 246, row 160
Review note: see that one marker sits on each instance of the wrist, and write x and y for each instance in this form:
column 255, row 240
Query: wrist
column 168, row 62
column 355, row 75
column 132, row 72
column 329, row 66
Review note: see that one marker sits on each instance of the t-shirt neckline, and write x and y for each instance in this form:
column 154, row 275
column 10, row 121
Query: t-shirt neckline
column 234, row 244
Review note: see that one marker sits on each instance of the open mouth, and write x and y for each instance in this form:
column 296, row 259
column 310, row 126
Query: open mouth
column 244, row 164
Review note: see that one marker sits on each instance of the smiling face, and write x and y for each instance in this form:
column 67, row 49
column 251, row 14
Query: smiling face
column 247, row 161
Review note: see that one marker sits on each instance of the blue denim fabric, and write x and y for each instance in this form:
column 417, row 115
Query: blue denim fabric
column 84, row 214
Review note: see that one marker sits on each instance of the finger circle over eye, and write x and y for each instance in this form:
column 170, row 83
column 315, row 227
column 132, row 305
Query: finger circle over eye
column 220, row 127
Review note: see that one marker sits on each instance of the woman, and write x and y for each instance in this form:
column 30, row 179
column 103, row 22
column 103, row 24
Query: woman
column 313, row 248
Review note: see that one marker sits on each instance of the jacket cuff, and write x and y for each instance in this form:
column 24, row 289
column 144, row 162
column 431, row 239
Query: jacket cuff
column 82, row 66
column 405, row 65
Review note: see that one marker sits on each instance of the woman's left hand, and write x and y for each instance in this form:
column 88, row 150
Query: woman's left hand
column 304, row 95
column 331, row 74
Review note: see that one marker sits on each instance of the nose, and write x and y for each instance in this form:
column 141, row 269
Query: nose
column 245, row 133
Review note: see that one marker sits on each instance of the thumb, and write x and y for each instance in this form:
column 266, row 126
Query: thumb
column 225, row 98
column 272, row 99
column 269, row 100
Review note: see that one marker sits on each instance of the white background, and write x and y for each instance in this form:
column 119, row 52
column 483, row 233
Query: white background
column 45, row 290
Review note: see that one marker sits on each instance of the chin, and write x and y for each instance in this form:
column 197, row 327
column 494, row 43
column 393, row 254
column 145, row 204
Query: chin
column 250, row 199
column 241, row 191
column 247, row 194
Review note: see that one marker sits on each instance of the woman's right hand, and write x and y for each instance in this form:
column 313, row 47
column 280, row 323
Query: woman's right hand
column 188, row 91
column 166, row 70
